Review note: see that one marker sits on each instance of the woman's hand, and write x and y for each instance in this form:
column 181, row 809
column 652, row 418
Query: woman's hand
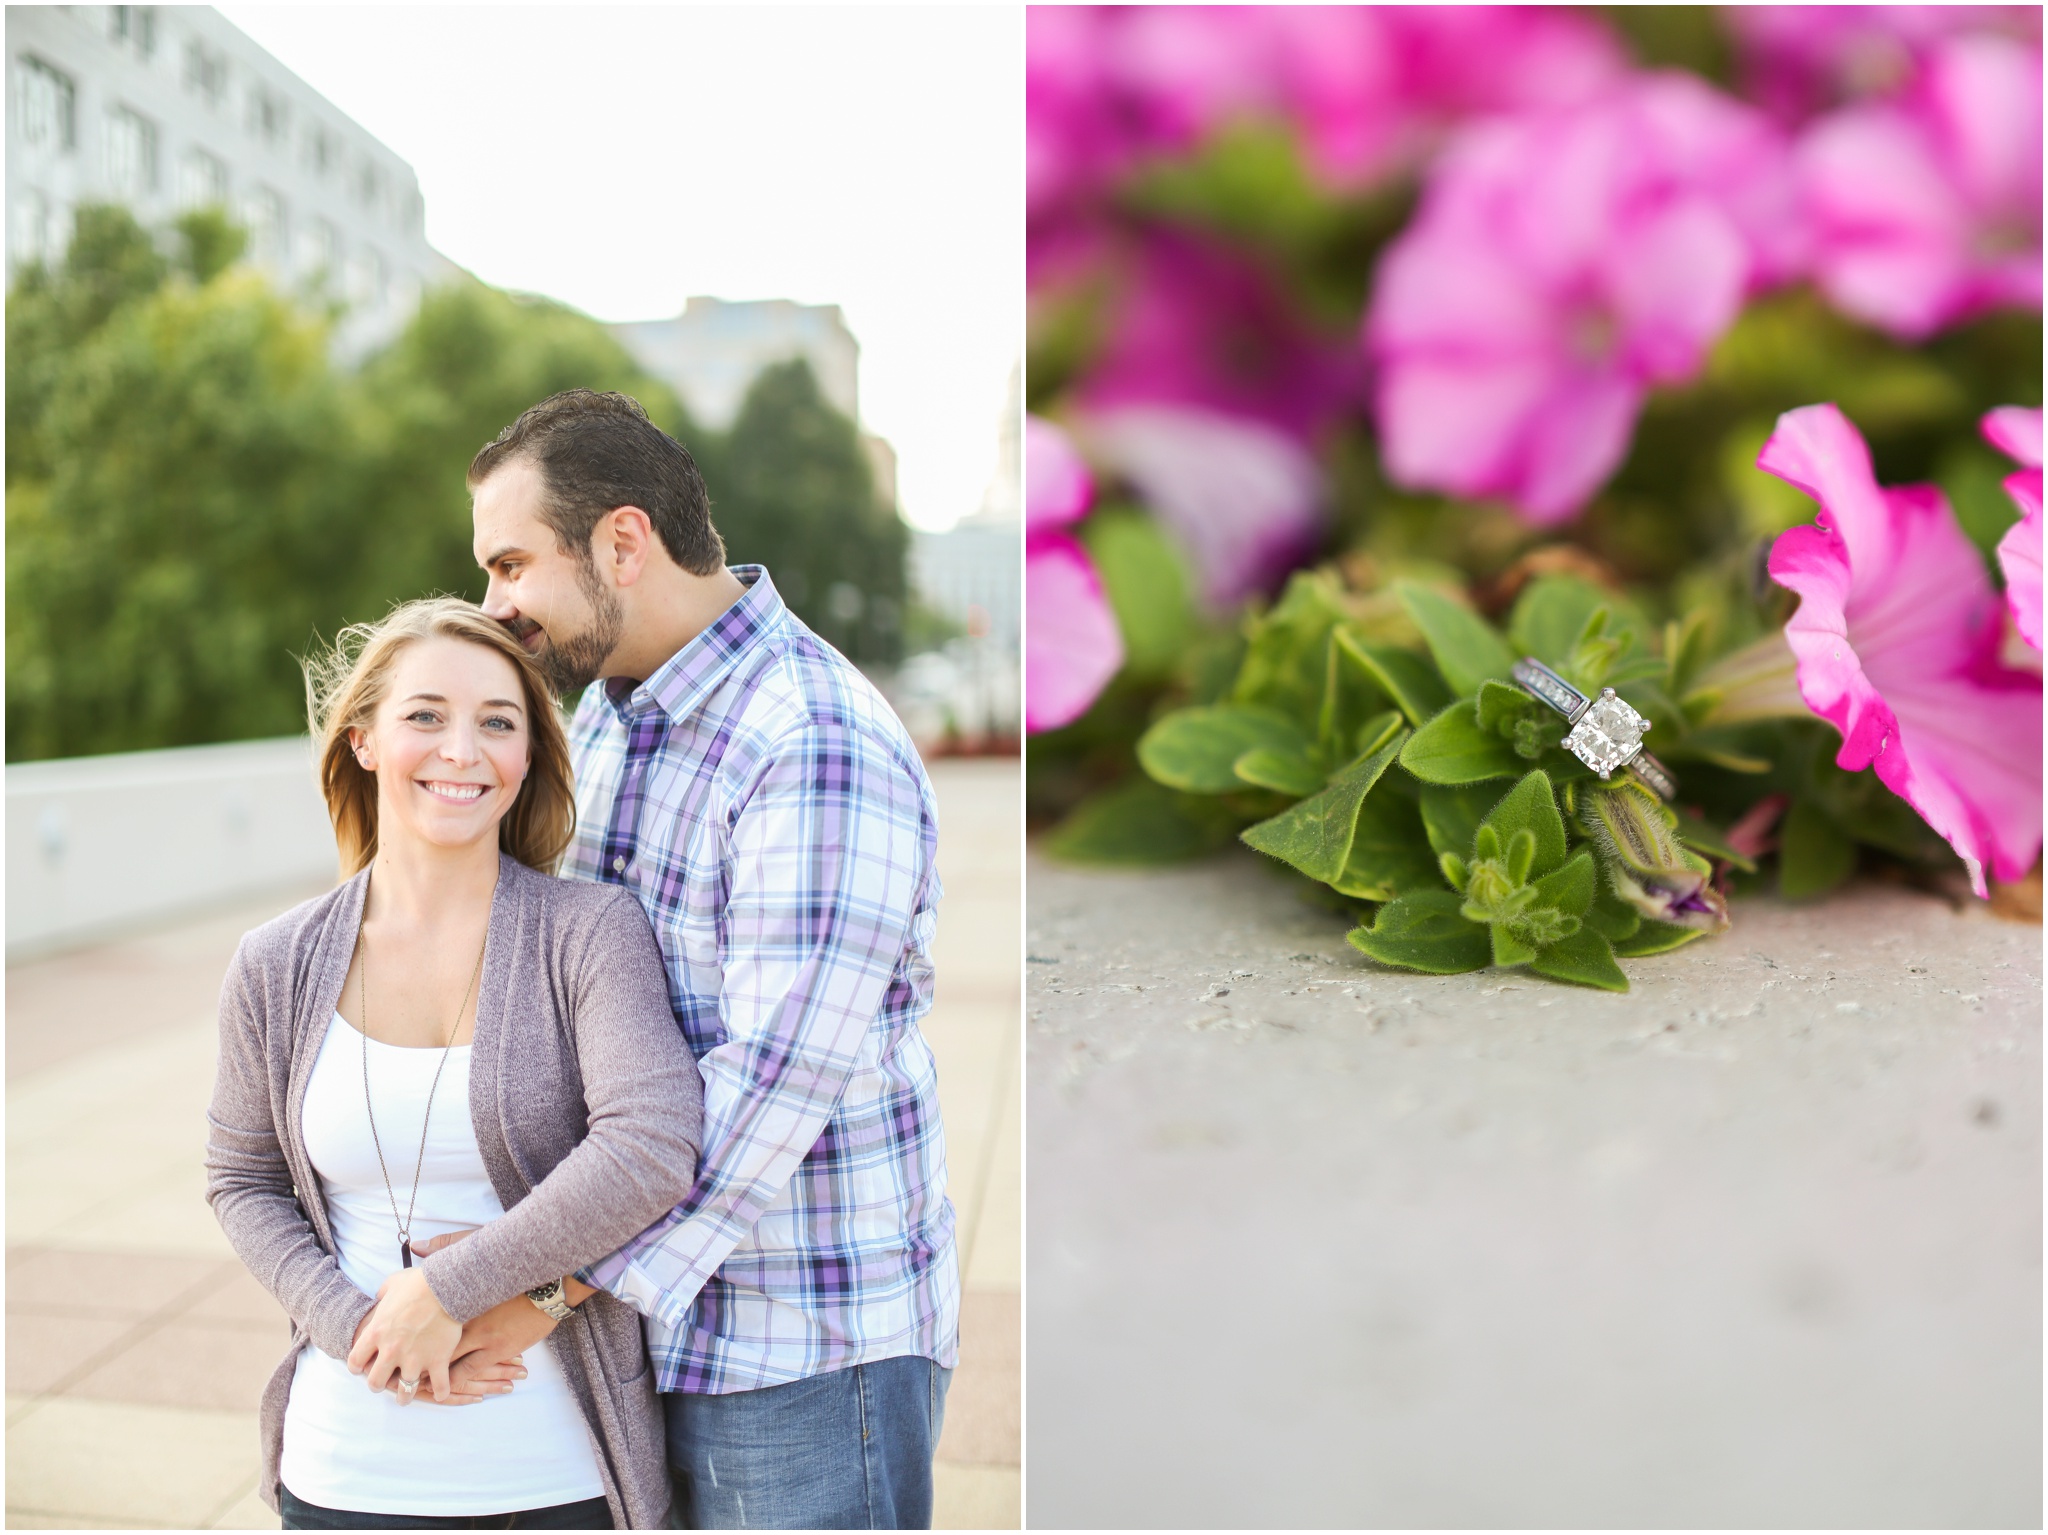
column 406, row 1334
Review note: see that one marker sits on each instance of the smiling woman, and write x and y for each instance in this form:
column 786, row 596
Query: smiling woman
column 448, row 956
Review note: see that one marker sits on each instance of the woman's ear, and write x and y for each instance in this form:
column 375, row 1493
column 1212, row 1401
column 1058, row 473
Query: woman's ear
column 366, row 756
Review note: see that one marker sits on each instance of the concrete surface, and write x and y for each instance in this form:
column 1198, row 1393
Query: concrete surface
column 136, row 1343
column 100, row 846
column 1319, row 1243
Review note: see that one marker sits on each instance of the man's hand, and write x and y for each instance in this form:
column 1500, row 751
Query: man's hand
column 407, row 1334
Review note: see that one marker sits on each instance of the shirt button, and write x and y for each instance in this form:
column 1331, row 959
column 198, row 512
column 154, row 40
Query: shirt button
column 619, row 865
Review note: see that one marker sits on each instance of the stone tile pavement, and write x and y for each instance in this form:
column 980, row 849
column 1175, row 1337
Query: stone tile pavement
column 136, row 1343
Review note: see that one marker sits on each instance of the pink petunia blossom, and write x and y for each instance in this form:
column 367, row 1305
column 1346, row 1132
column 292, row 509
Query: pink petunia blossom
column 1895, row 643
column 1374, row 89
column 1798, row 60
column 1072, row 645
column 1562, row 265
column 1243, row 499
column 2017, row 433
column 1926, row 210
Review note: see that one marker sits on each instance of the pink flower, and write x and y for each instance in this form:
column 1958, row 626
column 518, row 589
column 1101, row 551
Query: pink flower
column 1561, row 266
column 1072, row 645
column 1896, row 642
column 1243, row 499
column 1927, row 210
column 1802, row 59
column 1375, row 88
column 2017, row 434
column 1193, row 323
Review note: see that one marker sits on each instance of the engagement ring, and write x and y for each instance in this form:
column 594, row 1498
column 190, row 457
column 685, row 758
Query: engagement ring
column 411, row 1386
column 1606, row 733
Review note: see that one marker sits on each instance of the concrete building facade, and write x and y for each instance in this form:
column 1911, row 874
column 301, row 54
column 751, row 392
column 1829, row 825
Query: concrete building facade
column 169, row 108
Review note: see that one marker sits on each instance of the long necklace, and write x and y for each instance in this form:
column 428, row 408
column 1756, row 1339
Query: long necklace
column 404, row 1223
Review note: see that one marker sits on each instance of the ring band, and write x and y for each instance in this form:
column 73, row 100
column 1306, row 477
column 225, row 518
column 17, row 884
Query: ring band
column 410, row 1385
column 1606, row 734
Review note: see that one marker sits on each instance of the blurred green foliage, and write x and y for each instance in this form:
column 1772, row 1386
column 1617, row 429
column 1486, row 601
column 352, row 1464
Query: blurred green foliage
column 197, row 493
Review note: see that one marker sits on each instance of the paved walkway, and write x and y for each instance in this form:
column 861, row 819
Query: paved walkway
column 137, row 1344
column 1757, row 1245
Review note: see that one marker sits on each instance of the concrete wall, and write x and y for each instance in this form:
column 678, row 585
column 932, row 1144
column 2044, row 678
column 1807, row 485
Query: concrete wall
column 99, row 845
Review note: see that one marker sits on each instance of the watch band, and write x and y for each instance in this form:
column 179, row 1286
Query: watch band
column 549, row 1298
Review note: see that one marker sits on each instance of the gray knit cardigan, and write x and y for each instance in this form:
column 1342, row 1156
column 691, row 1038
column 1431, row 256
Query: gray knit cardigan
column 588, row 1110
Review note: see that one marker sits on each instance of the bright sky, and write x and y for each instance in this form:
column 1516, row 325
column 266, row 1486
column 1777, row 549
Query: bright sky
column 621, row 159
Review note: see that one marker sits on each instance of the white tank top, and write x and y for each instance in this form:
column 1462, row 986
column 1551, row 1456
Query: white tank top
column 347, row 1447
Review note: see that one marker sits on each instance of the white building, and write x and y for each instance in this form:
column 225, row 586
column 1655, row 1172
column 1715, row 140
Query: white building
column 974, row 572
column 167, row 108
column 711, row 353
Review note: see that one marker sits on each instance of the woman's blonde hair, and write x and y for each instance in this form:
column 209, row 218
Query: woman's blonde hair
column 347, row 683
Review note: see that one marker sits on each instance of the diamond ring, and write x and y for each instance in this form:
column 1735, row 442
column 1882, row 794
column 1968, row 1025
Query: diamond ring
column 410, row 1385
column 1606, row 733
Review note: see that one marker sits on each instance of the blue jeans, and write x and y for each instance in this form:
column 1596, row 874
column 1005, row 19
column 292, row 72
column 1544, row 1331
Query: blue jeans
column 851, row 1450
column 590, row 1514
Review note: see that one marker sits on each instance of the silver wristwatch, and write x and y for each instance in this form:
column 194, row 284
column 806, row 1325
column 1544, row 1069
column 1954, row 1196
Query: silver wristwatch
column 549, row 1298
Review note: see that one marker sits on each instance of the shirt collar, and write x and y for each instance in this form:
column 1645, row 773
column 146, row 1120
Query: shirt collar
column 680, row 683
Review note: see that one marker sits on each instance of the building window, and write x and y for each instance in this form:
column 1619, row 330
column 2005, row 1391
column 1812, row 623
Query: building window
column 133, row 26
column 206, row 73
column 49, row 108
column 130, row 153
column 317, row 149
column 319, row 248
column 33, row 236
column 263, row 212
column 369, row 183
column 267, row 114
column 202, row 181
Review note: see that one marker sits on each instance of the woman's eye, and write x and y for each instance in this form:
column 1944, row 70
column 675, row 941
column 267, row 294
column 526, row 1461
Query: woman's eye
column 423, row 717
column 499, row 722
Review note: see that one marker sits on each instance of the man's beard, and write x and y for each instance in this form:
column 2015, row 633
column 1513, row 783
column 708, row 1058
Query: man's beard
column 573, row 662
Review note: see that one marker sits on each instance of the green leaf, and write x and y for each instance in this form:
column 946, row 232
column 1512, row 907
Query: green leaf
column 1294, row 773
column 1612, row 917
column 1553, row 614
column 1376, row 732
column 1507, row 948
column 1148, row 587
column 1466, row 648
column 1197, row 749
column 1814, row 853
column 1696, row 834
column 1351, row 698
column 1137, row 822
column 1285, row 663
column 1423, row 931
column 1585, row 959
column 1406, row 678
column 1531, row 806
column 1501, row 706
column 1452, row 749
column 1451, row 814
column 1569, row 889
column 1390, row 855
column 1656, row 938
column 1315, row 836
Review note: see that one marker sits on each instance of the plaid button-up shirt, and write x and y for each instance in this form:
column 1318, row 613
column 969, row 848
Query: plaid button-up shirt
column 769, row 811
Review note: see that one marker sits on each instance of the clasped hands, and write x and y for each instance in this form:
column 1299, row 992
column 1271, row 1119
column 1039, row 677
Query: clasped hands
column 408, row 1338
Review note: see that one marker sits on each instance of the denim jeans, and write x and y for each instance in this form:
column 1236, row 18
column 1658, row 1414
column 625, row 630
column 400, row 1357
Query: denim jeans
column 590, row 1514
column 851, row 1450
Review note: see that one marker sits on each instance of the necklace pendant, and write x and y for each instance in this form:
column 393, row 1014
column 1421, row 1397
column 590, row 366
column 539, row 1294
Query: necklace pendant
column 405, row 1251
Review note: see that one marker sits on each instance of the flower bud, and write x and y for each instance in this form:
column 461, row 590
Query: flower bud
column 1634, row 836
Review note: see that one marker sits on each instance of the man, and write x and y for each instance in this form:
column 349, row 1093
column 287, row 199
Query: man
column 759, row 797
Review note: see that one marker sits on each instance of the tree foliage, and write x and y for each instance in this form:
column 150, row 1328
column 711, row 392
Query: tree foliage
column 197, row 493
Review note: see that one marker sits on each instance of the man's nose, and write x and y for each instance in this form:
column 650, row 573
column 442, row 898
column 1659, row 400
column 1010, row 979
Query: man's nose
column 497, row 604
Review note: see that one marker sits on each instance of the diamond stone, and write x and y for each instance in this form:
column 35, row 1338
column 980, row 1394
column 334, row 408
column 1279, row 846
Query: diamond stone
column 1607, row 735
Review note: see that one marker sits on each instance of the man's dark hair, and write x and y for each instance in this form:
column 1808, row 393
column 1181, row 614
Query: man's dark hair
column 598, row 452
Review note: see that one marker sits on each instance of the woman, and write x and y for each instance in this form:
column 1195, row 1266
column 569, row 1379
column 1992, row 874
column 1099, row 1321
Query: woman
column 452, row 1038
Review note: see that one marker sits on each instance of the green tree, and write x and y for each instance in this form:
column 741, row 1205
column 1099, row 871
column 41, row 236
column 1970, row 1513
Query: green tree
column 795, row 494
column 469, row 362
column 173, row 529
